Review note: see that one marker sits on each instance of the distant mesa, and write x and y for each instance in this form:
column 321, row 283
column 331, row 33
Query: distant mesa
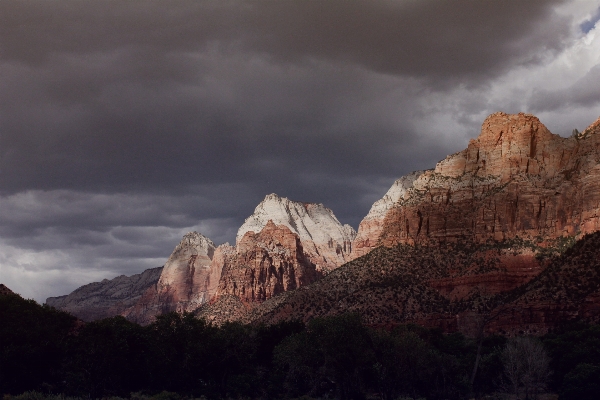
column 108, row 298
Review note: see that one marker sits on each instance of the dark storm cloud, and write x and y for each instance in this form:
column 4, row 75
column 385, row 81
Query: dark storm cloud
column 462, row 36
column 147, row 95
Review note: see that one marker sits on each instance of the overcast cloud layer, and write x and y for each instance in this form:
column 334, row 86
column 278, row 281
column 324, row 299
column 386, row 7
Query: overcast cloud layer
column 124, row 125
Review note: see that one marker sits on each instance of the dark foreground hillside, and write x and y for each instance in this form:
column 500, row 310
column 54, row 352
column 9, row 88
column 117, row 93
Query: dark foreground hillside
column 180, row 356
column 517, row 287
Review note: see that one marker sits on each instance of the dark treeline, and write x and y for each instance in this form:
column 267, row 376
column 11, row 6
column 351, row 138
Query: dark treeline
column 47, row 351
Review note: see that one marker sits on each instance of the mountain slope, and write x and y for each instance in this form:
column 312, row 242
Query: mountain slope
column 460, row 238
column 107, row 298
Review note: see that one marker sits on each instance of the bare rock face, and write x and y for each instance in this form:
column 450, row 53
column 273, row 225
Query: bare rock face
column 480, row 237
column 267, row 263
column 108, row 298
column 324, row 239
column 515, row 179
column 188, row 280
column 371, row 226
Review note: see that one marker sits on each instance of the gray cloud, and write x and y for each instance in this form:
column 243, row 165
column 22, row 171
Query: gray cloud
column 585, row 92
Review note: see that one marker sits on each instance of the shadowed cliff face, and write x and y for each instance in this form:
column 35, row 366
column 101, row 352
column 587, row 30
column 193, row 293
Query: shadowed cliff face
column 515, row 179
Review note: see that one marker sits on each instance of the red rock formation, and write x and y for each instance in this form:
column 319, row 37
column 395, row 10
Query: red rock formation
column 267, row 263
column 515, row 179
column 371, row 226
column 189, row 279
column 326, row 242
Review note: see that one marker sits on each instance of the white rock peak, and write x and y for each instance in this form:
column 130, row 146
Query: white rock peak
column 193, row 243
column 311, row 221
column 396, row 193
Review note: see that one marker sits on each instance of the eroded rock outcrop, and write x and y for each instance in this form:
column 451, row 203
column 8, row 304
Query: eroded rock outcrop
column 267, row 263
column 324, row 239
column 371, row 226
column 485, row 231
column 515, row 179
column 188, row 279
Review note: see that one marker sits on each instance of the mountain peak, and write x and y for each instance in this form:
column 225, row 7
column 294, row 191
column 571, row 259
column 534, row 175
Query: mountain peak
column 317, row 227
column 194, row 243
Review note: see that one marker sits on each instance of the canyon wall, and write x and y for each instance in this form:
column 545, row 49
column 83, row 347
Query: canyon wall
column 515, row 179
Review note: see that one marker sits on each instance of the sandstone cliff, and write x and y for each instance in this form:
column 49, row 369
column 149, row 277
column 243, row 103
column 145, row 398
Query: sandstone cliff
column 267, row 263
column 326, row 242
column 515, row 179
column 107, row 298
column 478, row 237
column 282, row 246
column 371, row 226
column 188, row 279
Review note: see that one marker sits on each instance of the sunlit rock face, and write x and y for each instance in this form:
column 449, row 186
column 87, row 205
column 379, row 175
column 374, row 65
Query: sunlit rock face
column 325, row 241
column 371, row 226
column 515, row 179
column 183, row 284
column 267, row 263
column 188, row 279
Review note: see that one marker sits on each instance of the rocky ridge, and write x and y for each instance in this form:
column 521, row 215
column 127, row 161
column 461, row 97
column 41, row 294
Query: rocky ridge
column 108, row 298
column 515, row 180
column 325, row 240
column 282, row 246
column 444, row 247
column 459, row 240
column 188, row 279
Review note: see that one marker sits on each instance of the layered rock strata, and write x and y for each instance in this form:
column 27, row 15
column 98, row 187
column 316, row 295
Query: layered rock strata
column 371, row 226
column 188, row 280
column 108, row 298
column 476, row 239
column 267, row 263
column 515, row 180
column 326, row 242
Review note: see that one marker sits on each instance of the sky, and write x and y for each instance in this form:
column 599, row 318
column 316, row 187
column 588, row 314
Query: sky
column 126, row 124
